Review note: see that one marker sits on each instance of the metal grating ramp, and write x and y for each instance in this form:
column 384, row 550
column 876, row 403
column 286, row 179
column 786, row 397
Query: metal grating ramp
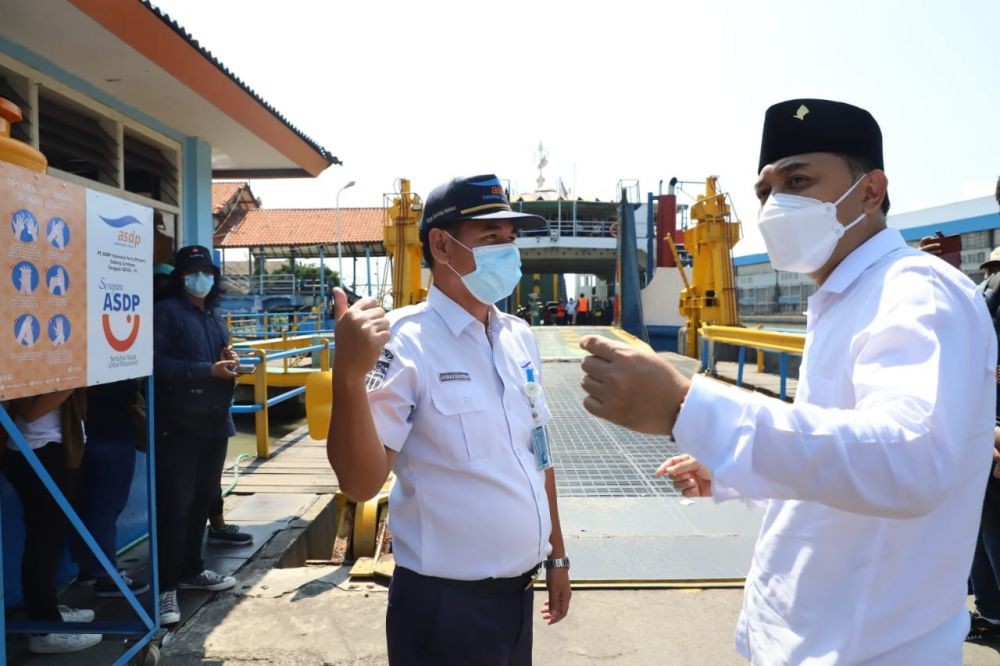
column 624, row 526
column 595, row 458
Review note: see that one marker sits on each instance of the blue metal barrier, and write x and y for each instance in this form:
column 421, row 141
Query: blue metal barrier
column 149, row 625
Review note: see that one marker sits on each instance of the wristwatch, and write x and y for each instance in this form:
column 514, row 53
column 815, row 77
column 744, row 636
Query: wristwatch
column 557, row 563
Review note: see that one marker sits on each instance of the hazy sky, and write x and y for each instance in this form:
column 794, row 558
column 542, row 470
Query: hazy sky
column 623, row 89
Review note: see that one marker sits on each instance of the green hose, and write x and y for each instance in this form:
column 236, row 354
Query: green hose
column 236, row 479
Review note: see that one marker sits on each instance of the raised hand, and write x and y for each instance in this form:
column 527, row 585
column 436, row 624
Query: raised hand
column 361, row 331
column 632, row 387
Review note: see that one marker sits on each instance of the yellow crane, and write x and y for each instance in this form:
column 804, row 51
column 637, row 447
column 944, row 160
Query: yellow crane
column 710, row 296
column 401, row 236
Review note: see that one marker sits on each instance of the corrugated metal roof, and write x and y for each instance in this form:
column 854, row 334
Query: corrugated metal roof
column 276, row 227
column 184, row 34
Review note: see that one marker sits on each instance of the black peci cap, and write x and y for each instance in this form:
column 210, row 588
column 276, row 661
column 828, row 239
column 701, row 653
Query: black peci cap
column 819, row 126
column 474, row 198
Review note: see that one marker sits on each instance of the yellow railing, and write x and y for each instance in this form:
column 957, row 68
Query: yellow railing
column 782, row 342
column 755, row 338
column 260, row 353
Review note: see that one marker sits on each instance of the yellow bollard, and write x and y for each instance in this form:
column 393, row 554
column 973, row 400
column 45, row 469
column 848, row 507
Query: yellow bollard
column 319, row 403
column 324, row 355
column 260, row 398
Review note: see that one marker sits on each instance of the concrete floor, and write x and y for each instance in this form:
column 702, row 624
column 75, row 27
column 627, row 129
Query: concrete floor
column 311, row 616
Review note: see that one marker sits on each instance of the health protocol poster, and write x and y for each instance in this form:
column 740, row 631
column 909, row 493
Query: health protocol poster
column 57, row 329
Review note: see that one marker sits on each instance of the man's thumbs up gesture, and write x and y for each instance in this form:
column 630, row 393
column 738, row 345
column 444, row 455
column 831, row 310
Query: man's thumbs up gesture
column 360, row 333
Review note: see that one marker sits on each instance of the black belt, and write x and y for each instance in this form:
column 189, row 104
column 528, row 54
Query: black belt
column 482, row 586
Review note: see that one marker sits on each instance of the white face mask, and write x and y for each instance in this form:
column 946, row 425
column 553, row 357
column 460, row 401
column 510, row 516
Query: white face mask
column 801, row 233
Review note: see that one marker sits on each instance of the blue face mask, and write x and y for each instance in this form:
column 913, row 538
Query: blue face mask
column 497, row 272
column 199, row 284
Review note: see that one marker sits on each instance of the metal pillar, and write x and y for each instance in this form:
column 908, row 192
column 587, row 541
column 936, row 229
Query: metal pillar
column 368, row 266
column 322, row 287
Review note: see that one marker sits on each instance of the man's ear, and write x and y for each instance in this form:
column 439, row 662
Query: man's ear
column 439, row 246
column 874, row 190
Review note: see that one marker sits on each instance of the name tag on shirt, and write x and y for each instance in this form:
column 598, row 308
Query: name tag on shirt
column 540, row 447
column 454, row 377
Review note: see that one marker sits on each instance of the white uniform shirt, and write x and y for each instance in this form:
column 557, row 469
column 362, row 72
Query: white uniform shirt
column 468, row 502
column 874, row 476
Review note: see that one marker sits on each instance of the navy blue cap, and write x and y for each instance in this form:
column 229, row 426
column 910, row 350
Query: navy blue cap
column 192, row 256
column 473, row 198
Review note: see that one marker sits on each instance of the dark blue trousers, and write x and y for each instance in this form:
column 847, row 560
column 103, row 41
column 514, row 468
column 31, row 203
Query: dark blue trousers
column 985, row 575
column 440, row 622
column 108, row 466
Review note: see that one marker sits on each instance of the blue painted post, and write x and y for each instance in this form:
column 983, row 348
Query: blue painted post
column 196, row 207
column 783, row 370
column 322, row 288
column 151, row 499
column 3, row 606
column 739, row 370
column 704, row 355
column 368, row 266
column 650, row 250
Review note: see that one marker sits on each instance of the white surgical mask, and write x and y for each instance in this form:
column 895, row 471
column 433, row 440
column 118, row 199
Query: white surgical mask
column 199, row 284
column 801, row 233
column 497, row 272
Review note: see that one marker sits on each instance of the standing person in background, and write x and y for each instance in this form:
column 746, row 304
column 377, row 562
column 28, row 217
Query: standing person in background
column 108, row 465
column 52, row 424
column 571, row 312
column 582, row 310
column 195, row 377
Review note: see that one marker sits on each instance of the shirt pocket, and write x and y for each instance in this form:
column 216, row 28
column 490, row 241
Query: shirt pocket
column 468, row 431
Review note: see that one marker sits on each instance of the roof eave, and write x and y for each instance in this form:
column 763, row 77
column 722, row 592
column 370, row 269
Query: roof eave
column 157, row 37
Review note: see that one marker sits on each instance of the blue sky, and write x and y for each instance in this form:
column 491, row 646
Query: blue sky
column 622, row 89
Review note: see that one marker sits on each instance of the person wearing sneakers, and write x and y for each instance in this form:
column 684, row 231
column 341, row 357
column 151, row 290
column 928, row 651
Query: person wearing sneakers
column 219, row 533
column 194, row 375
column 108, row 465
column 52, row 425
column 452, row 403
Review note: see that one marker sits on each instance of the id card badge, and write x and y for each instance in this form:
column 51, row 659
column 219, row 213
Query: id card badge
column 540, row 447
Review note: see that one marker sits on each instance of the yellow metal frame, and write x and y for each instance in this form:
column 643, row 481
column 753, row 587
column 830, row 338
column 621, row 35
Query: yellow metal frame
column 401, row 235
column 792, row 343
column 710, row 296
column 265, row 376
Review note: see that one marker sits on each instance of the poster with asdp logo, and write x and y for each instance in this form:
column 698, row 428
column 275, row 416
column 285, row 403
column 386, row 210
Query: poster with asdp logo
column 76, row 285
column 119, row 289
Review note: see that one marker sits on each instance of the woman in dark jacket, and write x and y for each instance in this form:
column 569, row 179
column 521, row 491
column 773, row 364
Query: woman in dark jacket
column 194, row 374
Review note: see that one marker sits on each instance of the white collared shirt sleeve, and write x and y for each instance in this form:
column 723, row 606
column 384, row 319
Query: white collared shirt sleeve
column 393, row 391
column 901, row 448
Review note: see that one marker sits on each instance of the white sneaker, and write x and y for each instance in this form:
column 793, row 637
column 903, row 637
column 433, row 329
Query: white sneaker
column 60, row 643
column 76, row 614
column 170, row 610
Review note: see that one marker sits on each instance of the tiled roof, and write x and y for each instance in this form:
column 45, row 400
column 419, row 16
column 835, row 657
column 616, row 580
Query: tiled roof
column 263, row 227
column 223, row 193
column 225, row 70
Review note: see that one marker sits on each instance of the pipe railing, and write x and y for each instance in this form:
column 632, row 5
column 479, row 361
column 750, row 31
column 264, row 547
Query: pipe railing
column 781, row 342
column 260, row 357
column 263, row 324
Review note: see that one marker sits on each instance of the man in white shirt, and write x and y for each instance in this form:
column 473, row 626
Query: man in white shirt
column 874, row 477
column 447, row 394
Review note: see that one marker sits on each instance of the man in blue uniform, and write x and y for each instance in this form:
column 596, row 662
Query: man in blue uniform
column 447, row 394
